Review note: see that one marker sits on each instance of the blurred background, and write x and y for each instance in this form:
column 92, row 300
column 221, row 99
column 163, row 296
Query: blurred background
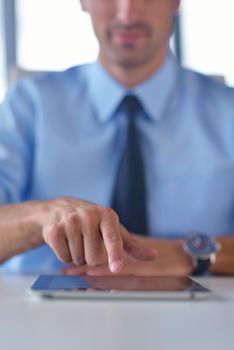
column 56, row 34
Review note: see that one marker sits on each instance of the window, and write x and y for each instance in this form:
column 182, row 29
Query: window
column 2, row 58
column 53, row 34
column 56, row 34
column 207, row 37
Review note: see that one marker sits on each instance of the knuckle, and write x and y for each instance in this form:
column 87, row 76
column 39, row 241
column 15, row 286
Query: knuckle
column 72, row 223
column 53, row 232
column 72, row 218
column 87, row 214
column 108, row 212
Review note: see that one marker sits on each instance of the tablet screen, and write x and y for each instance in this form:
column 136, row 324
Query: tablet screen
column 52, row 285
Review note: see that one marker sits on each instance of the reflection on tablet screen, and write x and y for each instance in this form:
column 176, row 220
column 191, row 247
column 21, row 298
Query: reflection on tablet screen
column 118, row 287
column 117, row 283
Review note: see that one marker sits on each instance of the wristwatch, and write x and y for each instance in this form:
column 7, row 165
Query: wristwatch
column 202, row 249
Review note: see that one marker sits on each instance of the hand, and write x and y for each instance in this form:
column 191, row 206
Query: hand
column 85, row 233
column 171, row 261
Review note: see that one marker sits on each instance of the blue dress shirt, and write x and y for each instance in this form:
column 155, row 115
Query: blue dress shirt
column 62, row 134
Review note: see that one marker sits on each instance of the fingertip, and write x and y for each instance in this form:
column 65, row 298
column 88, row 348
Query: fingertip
column 152, row 253
column 149, row 253
column 116, row 266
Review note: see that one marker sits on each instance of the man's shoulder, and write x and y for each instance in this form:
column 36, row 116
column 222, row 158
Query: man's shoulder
column 73, row 75
column 206, row 86
column 50, row 83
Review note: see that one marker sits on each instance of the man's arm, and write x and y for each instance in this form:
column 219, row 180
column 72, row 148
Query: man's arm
column 171, row 260
column 224, row 264
column 77, row 231
column 171, row 252
column 20, row 227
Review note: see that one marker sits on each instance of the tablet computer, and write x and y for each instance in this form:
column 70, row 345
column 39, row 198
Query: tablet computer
column 118, row 287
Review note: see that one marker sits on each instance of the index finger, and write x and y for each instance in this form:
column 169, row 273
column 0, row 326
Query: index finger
column 110, row 230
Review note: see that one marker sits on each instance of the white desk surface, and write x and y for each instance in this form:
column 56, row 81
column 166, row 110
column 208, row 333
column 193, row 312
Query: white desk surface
column 27, row 322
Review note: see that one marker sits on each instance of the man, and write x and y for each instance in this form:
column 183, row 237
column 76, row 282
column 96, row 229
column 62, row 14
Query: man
column 62, row 142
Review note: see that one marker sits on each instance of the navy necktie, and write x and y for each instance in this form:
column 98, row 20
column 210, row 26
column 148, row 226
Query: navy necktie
column 129, row 195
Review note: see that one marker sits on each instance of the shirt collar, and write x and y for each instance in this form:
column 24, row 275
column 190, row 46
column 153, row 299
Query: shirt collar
column 107, row 93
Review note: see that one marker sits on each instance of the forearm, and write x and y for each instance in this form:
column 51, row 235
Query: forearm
column 20, row 227
column 224, row 264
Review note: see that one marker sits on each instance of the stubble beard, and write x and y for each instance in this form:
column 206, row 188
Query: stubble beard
column 129, row 55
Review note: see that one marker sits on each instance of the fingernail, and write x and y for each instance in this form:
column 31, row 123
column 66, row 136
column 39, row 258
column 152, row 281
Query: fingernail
column 116, row 266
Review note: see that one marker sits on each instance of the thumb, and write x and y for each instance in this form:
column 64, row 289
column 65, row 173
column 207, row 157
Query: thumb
column 136, row 248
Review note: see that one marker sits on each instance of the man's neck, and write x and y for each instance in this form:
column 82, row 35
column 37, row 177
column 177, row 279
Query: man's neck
column 132, row 76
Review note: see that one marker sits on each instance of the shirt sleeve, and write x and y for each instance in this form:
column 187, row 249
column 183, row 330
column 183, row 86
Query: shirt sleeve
column 17, row 122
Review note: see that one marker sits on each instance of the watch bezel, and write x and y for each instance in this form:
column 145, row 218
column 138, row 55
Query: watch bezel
column 201, row 246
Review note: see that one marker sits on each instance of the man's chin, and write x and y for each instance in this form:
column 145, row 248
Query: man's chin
column 129, row 62
column 129, row 55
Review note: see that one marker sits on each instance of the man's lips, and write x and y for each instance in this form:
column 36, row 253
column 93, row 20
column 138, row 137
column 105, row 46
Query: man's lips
column 128, row 36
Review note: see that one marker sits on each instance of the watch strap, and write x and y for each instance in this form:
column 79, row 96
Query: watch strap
column 202, row 266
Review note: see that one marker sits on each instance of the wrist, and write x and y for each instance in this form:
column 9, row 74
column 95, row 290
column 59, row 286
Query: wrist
column 23, row 224
column 218, row 267
column 188, row 264
column 171, row 251
column 34, row 215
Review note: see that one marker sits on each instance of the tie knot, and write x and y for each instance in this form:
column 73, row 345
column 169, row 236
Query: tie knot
column 131, row 104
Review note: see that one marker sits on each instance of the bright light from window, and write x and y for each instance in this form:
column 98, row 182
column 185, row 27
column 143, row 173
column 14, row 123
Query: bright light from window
column 207, row 39
column 56, row 34
column 2, row 63
column 53, row 34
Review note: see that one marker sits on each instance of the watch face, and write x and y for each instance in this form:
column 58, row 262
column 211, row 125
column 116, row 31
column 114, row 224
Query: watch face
column 201, row 245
